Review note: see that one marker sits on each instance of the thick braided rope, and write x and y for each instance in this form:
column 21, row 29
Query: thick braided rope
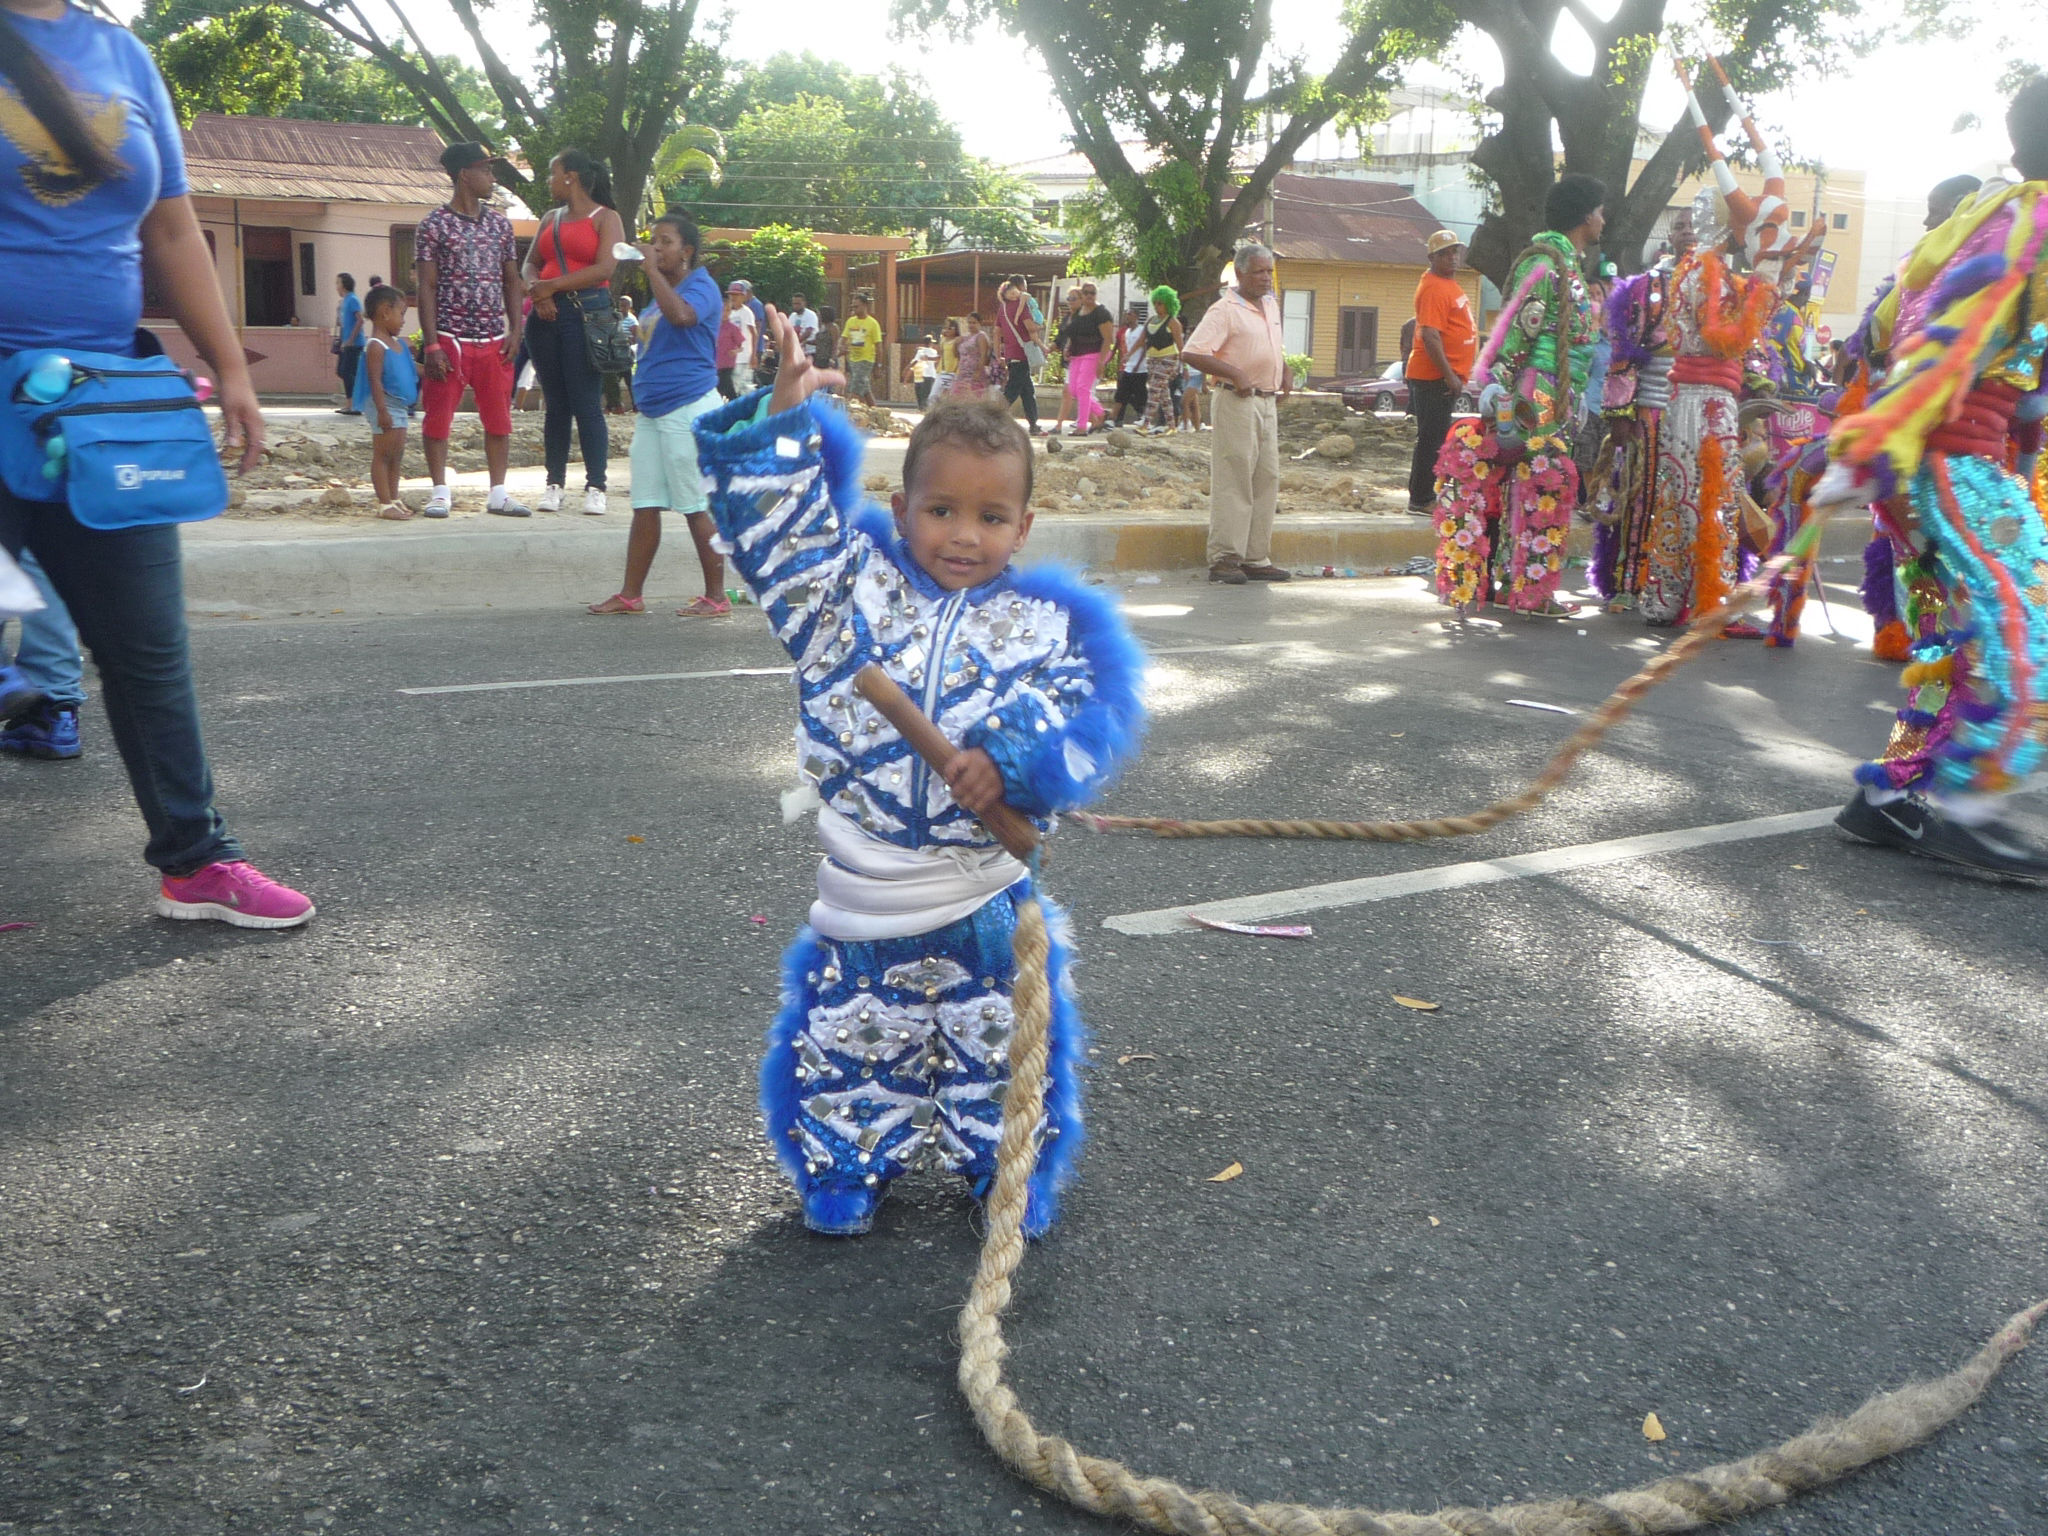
column 1618, row 706
column 1886, row 1424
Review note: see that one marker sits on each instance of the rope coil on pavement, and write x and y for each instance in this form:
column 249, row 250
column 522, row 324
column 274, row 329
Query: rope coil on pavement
column 1886, row 1424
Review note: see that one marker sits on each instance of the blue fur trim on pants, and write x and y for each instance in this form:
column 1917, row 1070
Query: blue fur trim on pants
column 890, row 1053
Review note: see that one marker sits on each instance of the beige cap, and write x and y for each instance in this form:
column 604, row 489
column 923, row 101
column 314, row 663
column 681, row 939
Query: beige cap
column 1444, row 240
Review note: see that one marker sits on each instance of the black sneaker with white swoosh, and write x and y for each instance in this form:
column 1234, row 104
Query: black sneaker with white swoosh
column 1895, row 824
column 1912, row 824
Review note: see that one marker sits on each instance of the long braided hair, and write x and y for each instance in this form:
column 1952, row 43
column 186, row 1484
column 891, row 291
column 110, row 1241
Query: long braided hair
column 51, row 105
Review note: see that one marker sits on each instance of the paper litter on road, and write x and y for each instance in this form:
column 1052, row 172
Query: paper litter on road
column 1548, row 709
column 1256, row 930
column 1227, row 1174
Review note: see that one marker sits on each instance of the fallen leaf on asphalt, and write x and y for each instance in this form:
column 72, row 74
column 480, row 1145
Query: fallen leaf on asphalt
column 634, row 837
column 1125, row 1061
column 1799, row 866
column 1653, row 1427
column 1227, row 1174
column 1434, row 1222
column 1397, row 735
column 1416, row 1003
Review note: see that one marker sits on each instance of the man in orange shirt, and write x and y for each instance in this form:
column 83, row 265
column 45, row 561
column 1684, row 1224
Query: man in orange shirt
column 1446, row 343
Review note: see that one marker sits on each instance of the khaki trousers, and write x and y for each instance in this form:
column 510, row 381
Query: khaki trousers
column 1244, row 477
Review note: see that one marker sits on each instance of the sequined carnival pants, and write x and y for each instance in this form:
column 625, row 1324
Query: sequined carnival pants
column 894, row 1054
column 1679, row 541
column 1976, row 715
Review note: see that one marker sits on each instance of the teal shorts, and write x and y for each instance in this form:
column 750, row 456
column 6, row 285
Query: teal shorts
column 663, row 460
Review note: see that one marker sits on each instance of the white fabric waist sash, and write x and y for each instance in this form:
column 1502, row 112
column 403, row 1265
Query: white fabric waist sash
column 870, row 890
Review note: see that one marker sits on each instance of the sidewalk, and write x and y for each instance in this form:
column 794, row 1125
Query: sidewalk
column 303, row 564
column 275, row 563
column 285, row 562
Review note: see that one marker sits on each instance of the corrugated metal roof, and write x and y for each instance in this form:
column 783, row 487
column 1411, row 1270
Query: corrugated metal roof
column 1333, row 218
column 284, row 157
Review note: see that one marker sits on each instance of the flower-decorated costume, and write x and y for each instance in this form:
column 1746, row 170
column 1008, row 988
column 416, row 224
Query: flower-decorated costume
column 1966, row 366
column 1637, row 394
column 1518, row 465
column 1690, row 555
column 892, row 1044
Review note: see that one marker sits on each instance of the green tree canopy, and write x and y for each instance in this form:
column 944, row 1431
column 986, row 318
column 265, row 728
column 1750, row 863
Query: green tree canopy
column 810, row 142
column 337, row 83
column 1541, row 106
column 240, row 63
column 1194, row 81
column 779, row 260
column 613, row 79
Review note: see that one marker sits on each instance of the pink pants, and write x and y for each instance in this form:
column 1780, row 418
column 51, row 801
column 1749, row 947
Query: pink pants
column 1081, row 371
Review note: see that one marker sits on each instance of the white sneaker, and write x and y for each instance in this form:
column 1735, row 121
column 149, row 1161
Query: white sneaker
column 593, row 503
column 551, row 499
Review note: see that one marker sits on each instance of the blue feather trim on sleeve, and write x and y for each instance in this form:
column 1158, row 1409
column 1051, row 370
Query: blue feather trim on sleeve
column 1059, row 770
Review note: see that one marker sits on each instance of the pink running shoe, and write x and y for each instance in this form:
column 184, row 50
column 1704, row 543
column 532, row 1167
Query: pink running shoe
column 234, row 892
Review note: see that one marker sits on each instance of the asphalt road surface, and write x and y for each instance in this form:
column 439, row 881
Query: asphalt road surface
column 451, row 1214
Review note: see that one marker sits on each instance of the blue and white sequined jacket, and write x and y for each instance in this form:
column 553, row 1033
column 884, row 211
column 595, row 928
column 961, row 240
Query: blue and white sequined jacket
column 1034, row 668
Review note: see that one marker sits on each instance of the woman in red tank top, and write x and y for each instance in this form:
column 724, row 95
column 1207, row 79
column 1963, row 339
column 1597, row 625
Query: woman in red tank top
column 568, row 275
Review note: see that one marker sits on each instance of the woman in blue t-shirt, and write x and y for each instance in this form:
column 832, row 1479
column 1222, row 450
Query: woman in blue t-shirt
column 92, row 183
column 675, row 382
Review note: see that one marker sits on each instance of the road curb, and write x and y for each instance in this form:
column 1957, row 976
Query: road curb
column 540, row 567
column 418, row 570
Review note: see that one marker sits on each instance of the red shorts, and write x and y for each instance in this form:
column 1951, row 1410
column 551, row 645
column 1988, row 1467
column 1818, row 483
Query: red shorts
column 476, row 365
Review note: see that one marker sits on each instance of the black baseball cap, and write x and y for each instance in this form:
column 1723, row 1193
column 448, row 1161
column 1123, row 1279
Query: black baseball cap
column 460, row 157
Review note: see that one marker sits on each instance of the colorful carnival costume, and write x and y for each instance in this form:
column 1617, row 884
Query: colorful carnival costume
column 1716, row 316
column 1516, row 464
column 1690, row 552
column 1637, row 394
column 1932, row 447
column 891, row 1046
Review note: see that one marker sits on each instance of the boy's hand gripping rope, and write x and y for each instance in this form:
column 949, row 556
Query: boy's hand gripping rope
column 1887, row 1424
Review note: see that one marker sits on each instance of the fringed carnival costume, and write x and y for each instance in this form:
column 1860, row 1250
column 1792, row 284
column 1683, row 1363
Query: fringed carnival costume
column 1514, row 462
column 1716, row 316
column 891, row 1046
column 1637, row 393
column 1965, row 370
column 1793, row 417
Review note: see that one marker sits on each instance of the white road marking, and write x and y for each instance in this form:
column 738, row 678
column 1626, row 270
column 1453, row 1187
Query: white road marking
column 582, row 682
column 690, row 677
column 1450, row 877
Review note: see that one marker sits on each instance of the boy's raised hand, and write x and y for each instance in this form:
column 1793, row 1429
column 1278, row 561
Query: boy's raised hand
column 798, row 377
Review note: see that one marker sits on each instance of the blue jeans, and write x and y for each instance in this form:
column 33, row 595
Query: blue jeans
column 126, row 591
column 571, row 390
column 47, row 654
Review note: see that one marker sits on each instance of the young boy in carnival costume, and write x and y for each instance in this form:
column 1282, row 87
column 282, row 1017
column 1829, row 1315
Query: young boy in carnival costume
column 892, row 1045
column 1515, row 461
column 1716, row 315
column 1931, row 449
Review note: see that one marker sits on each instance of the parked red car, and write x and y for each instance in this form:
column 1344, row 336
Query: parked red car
column 1389, row 392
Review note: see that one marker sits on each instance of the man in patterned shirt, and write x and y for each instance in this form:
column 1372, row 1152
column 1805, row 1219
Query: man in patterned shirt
column 470, row 292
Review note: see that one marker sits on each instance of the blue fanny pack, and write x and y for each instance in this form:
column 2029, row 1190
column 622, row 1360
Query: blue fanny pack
column 122, row 440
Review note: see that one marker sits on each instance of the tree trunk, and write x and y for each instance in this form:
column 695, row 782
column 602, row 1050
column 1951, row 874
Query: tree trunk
column 1517, row 156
